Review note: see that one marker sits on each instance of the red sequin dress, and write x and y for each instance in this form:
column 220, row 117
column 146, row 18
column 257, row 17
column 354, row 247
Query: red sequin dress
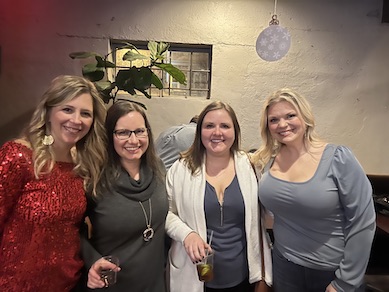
column 39, row 224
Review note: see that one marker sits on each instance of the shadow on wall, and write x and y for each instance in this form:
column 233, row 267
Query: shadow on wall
column 13, row 128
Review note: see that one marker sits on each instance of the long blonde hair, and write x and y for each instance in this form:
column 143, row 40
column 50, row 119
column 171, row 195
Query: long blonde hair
column 90, row 151
column 269, row 146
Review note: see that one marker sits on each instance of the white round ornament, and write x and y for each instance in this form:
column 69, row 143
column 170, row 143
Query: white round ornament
column 273, row 43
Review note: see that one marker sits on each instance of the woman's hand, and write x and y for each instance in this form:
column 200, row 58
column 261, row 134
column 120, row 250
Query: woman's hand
column 94, row 274
column 330, row 288
column 196, row 247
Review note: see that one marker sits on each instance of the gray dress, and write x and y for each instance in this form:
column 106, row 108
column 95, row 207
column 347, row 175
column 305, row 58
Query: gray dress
column 327, row 222
column 118, row 224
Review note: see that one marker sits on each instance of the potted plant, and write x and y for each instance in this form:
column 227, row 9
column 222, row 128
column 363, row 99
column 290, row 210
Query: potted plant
column 128, row 78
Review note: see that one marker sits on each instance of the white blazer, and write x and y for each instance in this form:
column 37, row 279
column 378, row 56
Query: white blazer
column 186, row 214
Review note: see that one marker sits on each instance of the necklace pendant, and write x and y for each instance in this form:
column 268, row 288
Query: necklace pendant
column 148, row 234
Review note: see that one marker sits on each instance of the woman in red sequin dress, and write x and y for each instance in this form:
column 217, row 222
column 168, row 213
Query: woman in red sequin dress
column 43, row 177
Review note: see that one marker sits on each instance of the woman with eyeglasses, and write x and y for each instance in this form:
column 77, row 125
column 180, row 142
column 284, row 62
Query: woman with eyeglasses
column 128, row 214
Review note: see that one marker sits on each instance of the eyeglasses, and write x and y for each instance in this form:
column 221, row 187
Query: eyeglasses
column 124, row 134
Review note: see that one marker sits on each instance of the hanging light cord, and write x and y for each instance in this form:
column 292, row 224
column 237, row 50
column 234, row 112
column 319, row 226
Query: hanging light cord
column 275, row 7
column 274, row 19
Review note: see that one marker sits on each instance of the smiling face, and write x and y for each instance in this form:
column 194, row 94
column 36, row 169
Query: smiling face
column 131, row 149
column 217, row 132
column 285, row 124
column 71, row 121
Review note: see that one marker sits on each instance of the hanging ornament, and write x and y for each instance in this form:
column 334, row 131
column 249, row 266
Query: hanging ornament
column 273, row 42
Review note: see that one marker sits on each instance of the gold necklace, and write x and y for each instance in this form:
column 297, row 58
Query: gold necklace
column 148, row 233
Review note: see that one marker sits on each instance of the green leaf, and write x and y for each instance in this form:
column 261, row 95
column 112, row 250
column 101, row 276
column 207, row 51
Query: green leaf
column 125, row 80
column 91, row 72
column 156, row 81
column 157, row 50
column 104, row 63
column 127, row 46
column 105, row 85
column 143, row 78
column 162, row 48
column 105, row 88
column 131, row 56
column 145, row 94
column 173, row 71
column 153, row 48
column 83, row 55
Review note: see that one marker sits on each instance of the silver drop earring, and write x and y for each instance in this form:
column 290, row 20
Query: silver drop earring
column 48, row 140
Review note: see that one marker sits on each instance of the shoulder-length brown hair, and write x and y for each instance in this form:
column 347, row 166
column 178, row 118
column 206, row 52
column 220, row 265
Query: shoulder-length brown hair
column 113, row 166
column 194, row 156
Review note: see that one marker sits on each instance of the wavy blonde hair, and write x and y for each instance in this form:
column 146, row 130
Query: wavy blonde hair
column 89, row 152
column 270, row 147
column 194, row 156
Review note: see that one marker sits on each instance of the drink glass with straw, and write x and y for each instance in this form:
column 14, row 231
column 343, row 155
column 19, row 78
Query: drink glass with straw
column 205, row 267
column 209, row 243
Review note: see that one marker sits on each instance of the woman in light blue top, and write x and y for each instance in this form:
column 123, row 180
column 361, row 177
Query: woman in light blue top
column 321, row 199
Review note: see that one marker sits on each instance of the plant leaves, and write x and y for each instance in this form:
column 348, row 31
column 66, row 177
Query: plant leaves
column 104, row 63
column 143, row 78
column 93, row 73
column 156, row 81
column 162, row 48
column 145, row 93
column 128, row 46
column 173, row 71
column 129, row 79
column 105, row 85
column 131, row 56
column 125, row 80
column 83, row 55
column 105, row 88
column 157, row 50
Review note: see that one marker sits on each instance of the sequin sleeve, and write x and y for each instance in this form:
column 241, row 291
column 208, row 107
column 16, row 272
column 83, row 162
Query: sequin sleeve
column 14, row 165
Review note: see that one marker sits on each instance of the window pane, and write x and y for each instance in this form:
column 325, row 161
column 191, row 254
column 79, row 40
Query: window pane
column 155, row 92
column 199, row 80
column 180, row 59
column 175, row 84
column 200, row 61
column 177, row 92
column 199, row 93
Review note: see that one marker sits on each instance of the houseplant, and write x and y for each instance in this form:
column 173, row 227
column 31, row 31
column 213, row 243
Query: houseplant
column 131, row 79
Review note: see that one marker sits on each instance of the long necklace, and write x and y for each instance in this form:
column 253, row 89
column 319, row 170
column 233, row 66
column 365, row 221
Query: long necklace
column 149, row 231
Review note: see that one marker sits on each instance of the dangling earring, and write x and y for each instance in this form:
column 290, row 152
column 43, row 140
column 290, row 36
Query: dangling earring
column 48, row 140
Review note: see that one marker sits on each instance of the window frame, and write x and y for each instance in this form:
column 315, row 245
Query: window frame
column 174, row 47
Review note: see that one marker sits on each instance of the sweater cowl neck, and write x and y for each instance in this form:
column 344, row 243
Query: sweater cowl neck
column 138, row 190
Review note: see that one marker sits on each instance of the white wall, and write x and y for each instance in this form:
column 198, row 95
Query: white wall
column 338, row 59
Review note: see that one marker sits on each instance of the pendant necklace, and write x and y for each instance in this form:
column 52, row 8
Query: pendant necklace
column 149, row 231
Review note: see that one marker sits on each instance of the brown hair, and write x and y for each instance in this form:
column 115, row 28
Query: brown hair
column 194, row 156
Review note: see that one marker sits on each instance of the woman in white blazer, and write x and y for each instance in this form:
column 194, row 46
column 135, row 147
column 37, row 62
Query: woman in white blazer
column 213, row 187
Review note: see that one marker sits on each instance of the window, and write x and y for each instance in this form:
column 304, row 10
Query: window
column 193, row 60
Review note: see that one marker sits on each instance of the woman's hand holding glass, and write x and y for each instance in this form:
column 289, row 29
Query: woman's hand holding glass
column 94, row 275
column 196, row 247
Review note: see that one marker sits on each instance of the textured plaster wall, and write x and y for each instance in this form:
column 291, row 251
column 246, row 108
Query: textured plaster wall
column 338, row 59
